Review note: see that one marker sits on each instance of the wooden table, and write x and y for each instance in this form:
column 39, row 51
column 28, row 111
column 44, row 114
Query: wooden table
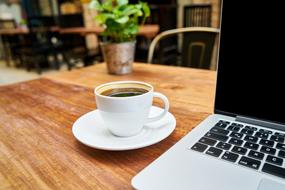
column 14, row 31
column 38, row 150
column 19, row 31
column 146, row 30
column 149, row 30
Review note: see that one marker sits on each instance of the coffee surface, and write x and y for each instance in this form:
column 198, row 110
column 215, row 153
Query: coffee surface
column 124, row 92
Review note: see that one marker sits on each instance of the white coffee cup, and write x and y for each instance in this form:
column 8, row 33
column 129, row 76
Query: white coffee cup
column 126, row 116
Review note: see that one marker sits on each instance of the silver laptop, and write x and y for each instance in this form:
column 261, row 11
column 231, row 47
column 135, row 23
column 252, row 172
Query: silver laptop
column 241, row 146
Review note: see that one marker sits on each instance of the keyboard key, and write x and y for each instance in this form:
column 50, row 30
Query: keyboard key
column 230, row 127
column 266, row 142
column 219, row 131
column 274, row 170
column 277, row 138
column 221, row 125
column 239, row 150
column 281, row 154
column 261, row 135
column 217, row 137
column 274, row 160
column 236, row 135
column 207, row 141
column 251, row 145
column 280, row 134
column 236, row 129
column 257, row 155
column 214, row 151
column 223, row 121
column 249, row 162
column 230, row 156
column 250, row 128
column 280, row 146
column 237, row 124
column 268, row 150
column 247, row 131
column 265, row 131
column 251, row 139
column 236, row 141
column 199, row 147
column 224, row 146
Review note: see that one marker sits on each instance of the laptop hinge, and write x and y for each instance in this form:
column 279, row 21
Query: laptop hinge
column 261, row 123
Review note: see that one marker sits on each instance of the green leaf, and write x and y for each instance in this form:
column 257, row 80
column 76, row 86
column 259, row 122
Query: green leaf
column 131, row 29
column 122, row 2
column 131, row 10
column 112, row 25
column 94, row 4
column 122, row 20
column 138, row 6
column 145, row 9
column 101, row 18
column 108, row 5
column 117, row 12
column 139, row 13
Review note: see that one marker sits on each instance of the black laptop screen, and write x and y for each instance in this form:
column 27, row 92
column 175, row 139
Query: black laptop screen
column 251, row 78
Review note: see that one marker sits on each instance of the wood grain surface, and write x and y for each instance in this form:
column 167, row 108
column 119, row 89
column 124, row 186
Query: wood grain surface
column 148, row 30
column 14, row 31
column 38, row 150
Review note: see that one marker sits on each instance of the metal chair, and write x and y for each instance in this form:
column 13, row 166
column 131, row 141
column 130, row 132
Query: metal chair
column 197, row 48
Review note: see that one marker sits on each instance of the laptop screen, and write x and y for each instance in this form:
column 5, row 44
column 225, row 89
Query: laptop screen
column 251, row 78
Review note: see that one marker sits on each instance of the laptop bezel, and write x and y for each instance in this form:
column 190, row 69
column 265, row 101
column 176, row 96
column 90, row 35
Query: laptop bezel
column 232, row 114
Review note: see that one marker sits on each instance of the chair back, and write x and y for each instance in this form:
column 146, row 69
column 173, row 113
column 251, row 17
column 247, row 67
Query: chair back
column 40, row 29
column 197, row 15
column 197, row 49
column 7, row 23
column 198, row 44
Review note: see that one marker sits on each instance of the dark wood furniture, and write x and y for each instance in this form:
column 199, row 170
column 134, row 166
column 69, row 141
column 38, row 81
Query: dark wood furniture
column 198, row 15
column 6, row 33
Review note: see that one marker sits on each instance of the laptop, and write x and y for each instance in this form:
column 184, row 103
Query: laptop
column 241, row 146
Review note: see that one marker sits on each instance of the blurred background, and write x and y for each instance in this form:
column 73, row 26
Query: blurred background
column 38, row 37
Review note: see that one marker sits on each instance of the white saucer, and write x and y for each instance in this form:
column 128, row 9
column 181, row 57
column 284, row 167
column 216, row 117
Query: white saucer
column 89, row 130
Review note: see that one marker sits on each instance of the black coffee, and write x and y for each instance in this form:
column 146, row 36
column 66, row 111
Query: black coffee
column 124, row 92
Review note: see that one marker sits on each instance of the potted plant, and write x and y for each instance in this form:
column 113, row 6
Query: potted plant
column 121, row 22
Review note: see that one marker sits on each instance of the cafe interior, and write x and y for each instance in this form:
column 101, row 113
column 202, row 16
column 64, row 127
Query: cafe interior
column 39, row 37
column 54, row 58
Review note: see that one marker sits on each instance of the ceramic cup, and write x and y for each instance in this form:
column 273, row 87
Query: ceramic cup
column 126, row 116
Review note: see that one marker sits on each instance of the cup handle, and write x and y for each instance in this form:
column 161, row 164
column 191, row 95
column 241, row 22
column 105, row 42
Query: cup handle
column 166, row 107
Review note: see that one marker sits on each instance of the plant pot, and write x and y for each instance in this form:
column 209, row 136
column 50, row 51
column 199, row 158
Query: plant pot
column 119, row 57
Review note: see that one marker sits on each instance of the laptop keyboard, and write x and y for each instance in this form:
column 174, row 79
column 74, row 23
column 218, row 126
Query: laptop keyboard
column 252, row 147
